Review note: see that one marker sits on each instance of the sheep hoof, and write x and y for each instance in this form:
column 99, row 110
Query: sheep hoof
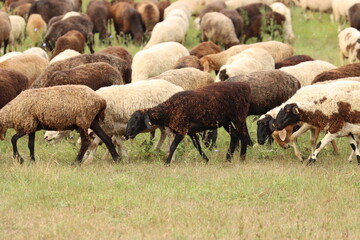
column 311, row 161
column 18, row 158
column 167, row 164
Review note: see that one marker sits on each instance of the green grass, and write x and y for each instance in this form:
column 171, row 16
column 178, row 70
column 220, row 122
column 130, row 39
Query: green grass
column 271, row 195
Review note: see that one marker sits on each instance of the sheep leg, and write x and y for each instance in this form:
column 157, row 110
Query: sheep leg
column 294, row 143
column 31, row 146
column 14, row 139
column 178, row 138
column 234, row 140
column 161, row 139
column 195, row 140
column 6, row 42
column 353, row 145
column 85, row 142
column 328, row 138
column 335, row 147
column 105, row 138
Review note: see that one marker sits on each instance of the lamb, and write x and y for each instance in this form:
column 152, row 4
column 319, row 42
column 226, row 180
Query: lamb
column 188, row 61
column 334, row 111
column 187, row 78
column 157, row 59
column 219, row 29
column 17, row 30
column 278, row 51
column 54, row 108
column 223, row 104
column 354, row 16
column 71, row 40
column 247, row 61
column 122, row 101
column 68, row 53
column 293, row 60
column 150, row 14
column 349, row 44
column 285, row 11
column 99, row 13
column 350, row 70
column 5, row 30
column 12, row 83
column 306, row 71
column 117, row 63
column 118, row 52
column 36, row 28
column 341, row 10
column 94, row 75
column 31, row 65
column 204, row 48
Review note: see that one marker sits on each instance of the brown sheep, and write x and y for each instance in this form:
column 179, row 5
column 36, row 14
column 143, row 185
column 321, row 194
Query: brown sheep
column 150, row 14
column 293, row 60
column 162, row 5
column 70, row 107
column 99, row 13
column 71, row 40
column 117, row 52
column 22, row 10
column 122, row 66
column 5, row 29
column 94, row 75
column 354, row 16
column 205, row 48
column 222, row 104
column 215, row 6
column 350, row 70
column 35, row 28
column 236, row 19
column 12, row 83
column 188, row 61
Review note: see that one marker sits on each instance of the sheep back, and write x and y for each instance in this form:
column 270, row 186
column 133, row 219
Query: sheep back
column 350, row 70
column 293, row 60
column 12, row 83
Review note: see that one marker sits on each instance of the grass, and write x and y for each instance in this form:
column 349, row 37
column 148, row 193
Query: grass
column 269, row 196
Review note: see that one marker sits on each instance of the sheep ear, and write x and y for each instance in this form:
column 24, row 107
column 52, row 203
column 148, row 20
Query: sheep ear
column 148, row 122
column 206, row 66
column 295, row 110
column 282, row 134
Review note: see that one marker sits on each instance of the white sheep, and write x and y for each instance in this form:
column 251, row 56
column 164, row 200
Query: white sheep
column 39, row 51
column 178, row 5
column 9, row 55
column 349, row 44
column 263, row 56
column 187, row 78
column 285, row 11
column 315, row 5
column 218, row 28
column 68, row 53
column 233, row 4
column 305, row 72
column 340, row 10
column 157, row 59
column 17, row 30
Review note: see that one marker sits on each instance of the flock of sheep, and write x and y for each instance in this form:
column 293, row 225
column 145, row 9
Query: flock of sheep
column 109, row 96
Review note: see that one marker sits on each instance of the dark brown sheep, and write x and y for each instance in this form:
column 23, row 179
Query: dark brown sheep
column 189, row 61
column 350, row 70
column 150, row 14
column 236, row 19
column 162, row 5
column 215, row 6
column 51, row 8
column 22, row 10
column 293, row 60
column 223, row 104
column 71, row 40
column 93, row 75
column 80, row 23
column 251, row 10
column 118, row 52
column 99, row 13
column 122, row 66
column 354, row 16
column 205, row 48
column 12, row 83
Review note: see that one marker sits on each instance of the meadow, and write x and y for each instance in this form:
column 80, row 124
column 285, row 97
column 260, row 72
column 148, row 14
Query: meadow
column 270, row 195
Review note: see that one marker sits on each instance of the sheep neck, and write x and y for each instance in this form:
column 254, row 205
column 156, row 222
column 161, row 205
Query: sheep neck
column 158, row 116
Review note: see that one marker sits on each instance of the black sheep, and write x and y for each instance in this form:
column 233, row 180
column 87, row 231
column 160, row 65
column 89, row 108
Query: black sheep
column 223, row 104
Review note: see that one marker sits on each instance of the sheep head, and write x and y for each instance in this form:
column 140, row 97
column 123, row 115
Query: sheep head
column 138, row 122
column 288, row 115
column 265, row 128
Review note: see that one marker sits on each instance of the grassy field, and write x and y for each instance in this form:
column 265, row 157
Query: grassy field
column 269, row 196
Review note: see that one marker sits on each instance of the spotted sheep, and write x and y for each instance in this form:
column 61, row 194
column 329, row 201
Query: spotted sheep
column 349, row 44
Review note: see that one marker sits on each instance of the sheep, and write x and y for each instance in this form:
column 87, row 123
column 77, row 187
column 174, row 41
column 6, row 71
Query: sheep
column 35, row 28
column 319, row 5
column 187, row 78
column 81, row 23
column 9, row 55
column 249, row 60
column 31, row 65
column 122, row 101
column 17, row 30
column 236, row 19
column 99, row 13
column 219, row 29
column 150, row 14
column 71, row 40
column 39, row 51
column 68, row 53
column 350, row 70
column 349, row 44
column 215, row 6
column 178, row 5
column 293, row 60
column 58, row 108
column 340, row 10
column 118, row 52
column 223, row 104
column 204, row 48
column 335, row 111
column 69, row 63
column 161, row 6
column 22, row 10
column 5, row 30
column 354, row 16
column 306, row 71
column 278, row 51
column 156, row 60
column 285, row 11
column 12, row 83
column 188, row 61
